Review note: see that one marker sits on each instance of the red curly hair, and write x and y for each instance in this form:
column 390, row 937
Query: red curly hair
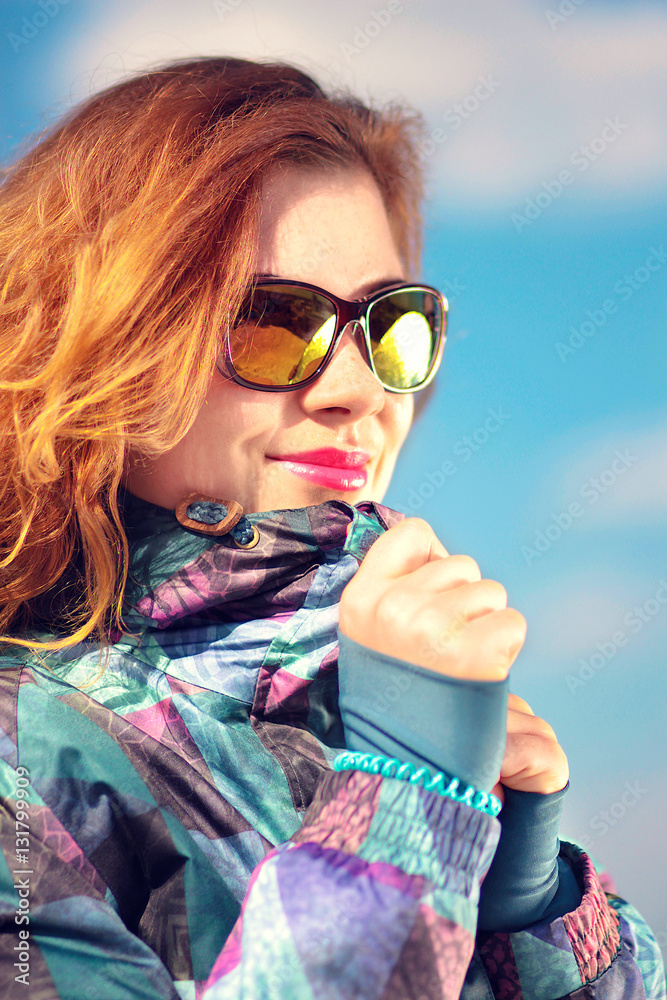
column 126, row 236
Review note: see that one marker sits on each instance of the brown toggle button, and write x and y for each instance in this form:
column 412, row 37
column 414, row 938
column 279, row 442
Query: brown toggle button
column 208, row 515
column 250, row 544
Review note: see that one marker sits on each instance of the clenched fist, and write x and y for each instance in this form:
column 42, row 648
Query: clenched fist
column 410, row 599
column 534, row 760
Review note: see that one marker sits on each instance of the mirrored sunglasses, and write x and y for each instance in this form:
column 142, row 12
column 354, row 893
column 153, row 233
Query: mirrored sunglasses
column 287, row 332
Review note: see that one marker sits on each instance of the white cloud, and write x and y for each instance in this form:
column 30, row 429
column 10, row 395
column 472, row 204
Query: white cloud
column 620, row 479
column 579, row 610
column 643, row 495
column 556, row 85
column 587, row 629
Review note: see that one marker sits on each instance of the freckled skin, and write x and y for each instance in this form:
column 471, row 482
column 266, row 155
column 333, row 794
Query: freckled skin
column 329, row 229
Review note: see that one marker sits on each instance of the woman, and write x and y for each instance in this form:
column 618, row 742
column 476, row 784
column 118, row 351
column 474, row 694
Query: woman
column 211, row 349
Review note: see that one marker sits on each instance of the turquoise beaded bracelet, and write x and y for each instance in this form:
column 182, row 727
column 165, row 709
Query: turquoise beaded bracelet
column 449, row 787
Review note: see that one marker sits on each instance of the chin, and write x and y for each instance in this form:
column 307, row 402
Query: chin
column 302, row 493
column 317, row 495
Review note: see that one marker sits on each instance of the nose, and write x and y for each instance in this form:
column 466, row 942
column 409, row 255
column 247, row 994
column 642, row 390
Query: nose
column 347, row 387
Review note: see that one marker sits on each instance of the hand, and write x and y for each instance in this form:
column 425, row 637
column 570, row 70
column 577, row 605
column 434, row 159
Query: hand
column 410, row 599
column 534, row 761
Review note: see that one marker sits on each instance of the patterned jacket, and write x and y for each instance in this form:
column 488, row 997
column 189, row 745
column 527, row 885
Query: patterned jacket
column 172, row 827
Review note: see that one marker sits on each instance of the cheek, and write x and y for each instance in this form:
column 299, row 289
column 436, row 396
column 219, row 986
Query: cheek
column 400, row 411
column 239, row 414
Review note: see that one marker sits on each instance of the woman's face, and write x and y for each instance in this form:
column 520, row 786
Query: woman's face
column 331, row 230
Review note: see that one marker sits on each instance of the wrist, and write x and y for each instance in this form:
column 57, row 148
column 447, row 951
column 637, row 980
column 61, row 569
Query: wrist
column 525, row 880
column 410, row 713
column 449, row 786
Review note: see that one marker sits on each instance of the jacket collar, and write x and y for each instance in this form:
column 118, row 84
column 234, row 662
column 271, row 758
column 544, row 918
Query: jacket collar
column 176, row 573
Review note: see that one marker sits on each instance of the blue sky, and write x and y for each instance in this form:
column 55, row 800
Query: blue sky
column 588, row 431
column 546, row 156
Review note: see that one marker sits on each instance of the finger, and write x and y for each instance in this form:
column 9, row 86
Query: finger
column 444, row 574
column 534, row 764
column 486, row 647
column 467, row 601
column 499, row 792
column 521, row 722
column 441, row 618
column 517, row 704
column 400, row 550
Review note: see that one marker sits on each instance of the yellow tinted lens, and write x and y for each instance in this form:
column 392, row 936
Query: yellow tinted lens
column 267, row 355
column 403, row 356
column 403, row 334
column 315, row 350
column 282, row 336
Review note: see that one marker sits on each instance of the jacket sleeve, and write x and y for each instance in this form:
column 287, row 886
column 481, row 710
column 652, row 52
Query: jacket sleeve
column 375, row 895
column 603, row 949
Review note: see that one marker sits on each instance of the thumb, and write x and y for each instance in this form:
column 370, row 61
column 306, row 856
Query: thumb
column 402, row 549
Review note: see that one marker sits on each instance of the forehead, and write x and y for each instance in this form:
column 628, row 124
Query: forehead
column 328, row 228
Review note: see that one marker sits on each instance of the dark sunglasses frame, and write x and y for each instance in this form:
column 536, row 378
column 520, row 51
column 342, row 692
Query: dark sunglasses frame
column 347, row 311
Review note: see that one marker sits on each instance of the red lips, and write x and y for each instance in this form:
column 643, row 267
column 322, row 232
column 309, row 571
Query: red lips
column 328, row 457
column 336, row 470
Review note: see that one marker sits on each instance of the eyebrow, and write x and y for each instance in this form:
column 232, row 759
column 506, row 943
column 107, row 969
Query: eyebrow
column 366, row 290
column 375, row 286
